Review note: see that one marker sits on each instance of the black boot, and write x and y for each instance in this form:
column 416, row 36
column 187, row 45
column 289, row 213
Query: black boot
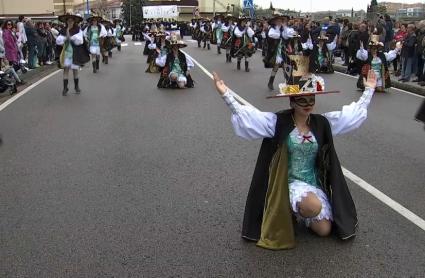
column 103, row 59
column 199, row 43
column 65, row 87
column 227, row 58
column 119, row 47
column 76, row 86
column 246, row 66
column 94, row 67
column 110, row 54
column 97, row 63
column 238, row 66
column 208, row 46
column 218, row 50
column 106, row 60
column 205, row 44
column 270, row 85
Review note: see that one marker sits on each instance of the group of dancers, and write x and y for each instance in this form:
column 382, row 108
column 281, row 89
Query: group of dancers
column 79, row 44
column 165, row 57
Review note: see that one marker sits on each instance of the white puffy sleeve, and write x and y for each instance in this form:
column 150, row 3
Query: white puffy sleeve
column 391, row 55
column 152, row 46
column 161, row 60
column 362, row 54
column 308, row 44
column 250, row 32
column 78, row 38
column 85, row 32
column 60, row 40
column 103, row 32
column 351, row 116
column 189, row 62
column 331, row 46
column 248, row 122
column 288, row 32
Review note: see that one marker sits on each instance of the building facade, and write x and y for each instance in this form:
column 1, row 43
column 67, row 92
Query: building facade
column 39, row 8
column 109, row 9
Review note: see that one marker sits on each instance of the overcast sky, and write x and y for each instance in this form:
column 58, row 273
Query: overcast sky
column 323, row 5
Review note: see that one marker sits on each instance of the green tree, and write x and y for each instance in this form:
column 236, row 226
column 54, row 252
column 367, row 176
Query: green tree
column 374, row 3
column 131, row 12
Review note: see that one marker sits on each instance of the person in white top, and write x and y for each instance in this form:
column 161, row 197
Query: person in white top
column 93, row 33
column 297, row 171
column 242, row 43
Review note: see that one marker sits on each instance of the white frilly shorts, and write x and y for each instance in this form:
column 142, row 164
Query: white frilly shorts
column 95, row 50
column 68, row 64
column 299, row 190
column 180, row 78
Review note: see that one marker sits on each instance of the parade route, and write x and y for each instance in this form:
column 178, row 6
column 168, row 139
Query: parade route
column 128, row 180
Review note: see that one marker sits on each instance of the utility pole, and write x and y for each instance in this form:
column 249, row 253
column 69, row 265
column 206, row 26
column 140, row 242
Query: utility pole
column 213, row 8
column 64, row 7
column 130, row 14
column 87, row 8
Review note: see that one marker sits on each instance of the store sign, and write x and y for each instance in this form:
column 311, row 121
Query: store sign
column 160, row 11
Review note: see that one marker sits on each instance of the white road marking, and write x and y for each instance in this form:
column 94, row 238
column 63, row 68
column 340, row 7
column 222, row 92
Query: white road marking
column 191, row 40
column 124, row 44
column 26, row 90
column 403, row 91
column 137, row 43
column 409, row 215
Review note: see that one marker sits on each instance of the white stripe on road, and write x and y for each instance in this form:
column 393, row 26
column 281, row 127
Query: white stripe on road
column 124, row 44
column 385, row 199
column 403, row 91
column 357, row 180
column 137, row 43
column 26, row 90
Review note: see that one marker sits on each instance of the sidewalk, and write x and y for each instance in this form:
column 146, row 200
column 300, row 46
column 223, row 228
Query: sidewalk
column 30, row 78
column 412, row 87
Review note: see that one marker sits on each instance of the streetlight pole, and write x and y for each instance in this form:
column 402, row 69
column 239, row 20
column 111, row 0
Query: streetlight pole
column 130, row 14
column 87, row 8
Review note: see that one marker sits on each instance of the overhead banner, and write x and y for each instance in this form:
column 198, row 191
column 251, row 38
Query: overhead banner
column 160, row 11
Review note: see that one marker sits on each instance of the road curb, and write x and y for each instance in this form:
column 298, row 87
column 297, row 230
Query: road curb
column 396, row 84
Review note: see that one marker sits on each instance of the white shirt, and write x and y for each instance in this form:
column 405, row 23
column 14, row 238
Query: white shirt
column 250, row 123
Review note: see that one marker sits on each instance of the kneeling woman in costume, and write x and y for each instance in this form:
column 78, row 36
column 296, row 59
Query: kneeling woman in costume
column 298, row 171
column 176, row 67
column 377, row 60
column 74, row 53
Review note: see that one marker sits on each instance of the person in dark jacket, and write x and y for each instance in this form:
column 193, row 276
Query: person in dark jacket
column 74, row 53
column 389, row 32
column 32, row 42
column 408, row 53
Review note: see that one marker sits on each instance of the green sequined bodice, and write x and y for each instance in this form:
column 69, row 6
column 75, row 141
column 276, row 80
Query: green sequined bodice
column 302, row 152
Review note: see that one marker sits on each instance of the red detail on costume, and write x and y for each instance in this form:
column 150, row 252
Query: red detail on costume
column 307, row 138
column 319, row 87
column 238, row 42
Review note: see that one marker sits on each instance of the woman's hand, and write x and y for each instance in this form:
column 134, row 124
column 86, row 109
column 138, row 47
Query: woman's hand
column 219, row 84
column 371, row 81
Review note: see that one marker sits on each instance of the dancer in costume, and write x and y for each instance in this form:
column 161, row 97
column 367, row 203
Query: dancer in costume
column 322, row 52
column 176, row 66
column 217, row 28
column 298, row 172
column 119, row 33
column 377, row 60
column 274, row 50
column 105, row 42
column 192, row 28
column 155, row 48
column 74, row 52
column 242, row 43
column 93, row 33
column 226, row 41
column 206, row 31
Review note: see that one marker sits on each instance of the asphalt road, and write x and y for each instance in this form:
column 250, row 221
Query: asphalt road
column 126, row 180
